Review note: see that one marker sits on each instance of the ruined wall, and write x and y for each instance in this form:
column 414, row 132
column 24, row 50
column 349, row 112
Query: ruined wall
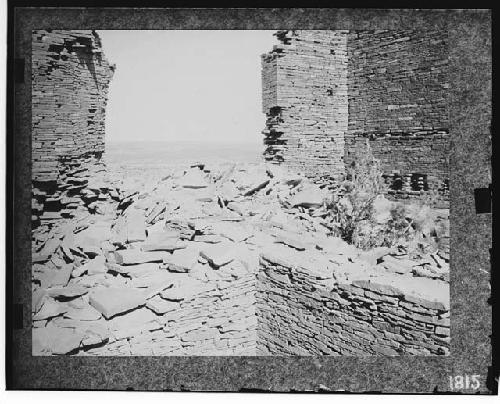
column 303, row 310
column 328, row 92
column 212, row 317
column 412, row 163
column 70, row 79
column 305, row 101
column 398, row 84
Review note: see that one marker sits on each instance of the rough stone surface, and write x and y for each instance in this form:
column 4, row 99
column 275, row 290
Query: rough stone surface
column 327, row 93
column 233, row 260
column 270, row 280
column 113, row 301
column 379, row 315
column 70, row 78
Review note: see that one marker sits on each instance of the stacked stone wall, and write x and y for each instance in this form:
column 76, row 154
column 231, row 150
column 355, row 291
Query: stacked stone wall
column 398, row 81
column 413, row 163
column 305, row 101
column 214, row 317
column 327, row 92
column 398, row 86
column 70, row 79
column 303, row 310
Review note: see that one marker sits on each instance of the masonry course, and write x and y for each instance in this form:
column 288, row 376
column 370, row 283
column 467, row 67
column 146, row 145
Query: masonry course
column 70, row 79
column 326, row 93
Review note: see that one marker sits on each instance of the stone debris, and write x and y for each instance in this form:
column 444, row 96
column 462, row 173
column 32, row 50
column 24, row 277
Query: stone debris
column 91, row 267
column 113, row 301
column 66, row 292
column 133, row 257
column 309, row 197
column 181, row 260
column 193, row 179
column 163, row 272
column 239, row 259
column 163, row 242
column 218, row 255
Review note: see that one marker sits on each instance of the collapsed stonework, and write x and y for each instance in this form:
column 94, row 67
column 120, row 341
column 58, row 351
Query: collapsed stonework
column 230, row 260
column 70, row 79
column 219, row 259
column 326, row 93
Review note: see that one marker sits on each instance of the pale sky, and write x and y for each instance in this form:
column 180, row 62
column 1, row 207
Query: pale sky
column 185, row 85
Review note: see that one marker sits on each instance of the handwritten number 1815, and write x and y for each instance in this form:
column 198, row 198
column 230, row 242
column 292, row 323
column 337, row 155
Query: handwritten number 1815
column 467, row 382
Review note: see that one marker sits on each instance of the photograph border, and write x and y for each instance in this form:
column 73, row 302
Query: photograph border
column 470, row 109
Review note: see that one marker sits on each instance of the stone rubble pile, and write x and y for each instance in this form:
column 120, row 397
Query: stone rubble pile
column 82, row 185
column 179, row 267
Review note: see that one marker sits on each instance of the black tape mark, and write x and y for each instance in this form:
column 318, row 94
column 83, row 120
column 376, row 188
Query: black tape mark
column 482, row 199
column 18, row 316
column 19, row 70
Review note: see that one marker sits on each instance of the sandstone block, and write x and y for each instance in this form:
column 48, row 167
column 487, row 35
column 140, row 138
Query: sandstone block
column 378, row 288
column 132, row 256
column 113, row 301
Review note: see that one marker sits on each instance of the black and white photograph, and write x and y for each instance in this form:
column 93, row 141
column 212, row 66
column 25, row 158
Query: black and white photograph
column 249, row 200
column 240, row 192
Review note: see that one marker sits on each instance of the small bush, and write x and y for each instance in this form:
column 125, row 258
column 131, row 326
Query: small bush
column 352, row 205
column 354, row 219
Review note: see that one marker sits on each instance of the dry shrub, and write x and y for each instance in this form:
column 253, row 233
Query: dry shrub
column 352, row 212
column 351, row 206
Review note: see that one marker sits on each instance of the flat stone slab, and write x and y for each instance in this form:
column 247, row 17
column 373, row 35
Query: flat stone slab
column 233, row 231
column 113, row 301
column 257, row 185
column 134, row 271
column 429, row 293
column 49, row 309
column 400, row 266
column 163, row 241
column 83, row 313
column 136, row 226
column 67, row 292
column 291, row 241
column 161, row 306
column 378, row 287
column 185, row 290
column 91, row 267
column 132, row 257
column 193, row 179
column 37, row 299
column 55, row 340
column 218, row 254
column 309, row 198
column 61, row 276
column 134, row 323
column 181, row 260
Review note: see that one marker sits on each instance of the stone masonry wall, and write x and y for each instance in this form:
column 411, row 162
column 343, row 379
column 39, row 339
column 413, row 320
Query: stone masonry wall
column 398, row 84
column 327, row 92
column 303, row 310
column 305, row 101
column 70, row 79
column 398, row 81
column 412, row 163
column 203, row 317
